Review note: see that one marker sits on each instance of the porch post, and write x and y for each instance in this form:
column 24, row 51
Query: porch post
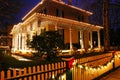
column 56, row 28
column 13, row 42
column 99, row 39
column 70, row 30
column 91, row 44
column 19, row 37
column 81, row 39
column 23, row 41
column 16, row 43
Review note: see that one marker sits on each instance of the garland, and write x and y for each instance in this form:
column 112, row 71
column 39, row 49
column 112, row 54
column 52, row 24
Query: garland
column 83, row 66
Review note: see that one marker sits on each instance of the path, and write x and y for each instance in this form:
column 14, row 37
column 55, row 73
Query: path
column 20, row 58
column 115, row 75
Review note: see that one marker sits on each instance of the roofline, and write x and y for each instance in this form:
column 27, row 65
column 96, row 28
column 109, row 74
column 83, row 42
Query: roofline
column 32, row 9
column 74, row 7
column 88, row 12
column 74, row 22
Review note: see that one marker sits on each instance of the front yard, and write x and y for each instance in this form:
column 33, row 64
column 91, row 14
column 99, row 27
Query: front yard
column 7, row 61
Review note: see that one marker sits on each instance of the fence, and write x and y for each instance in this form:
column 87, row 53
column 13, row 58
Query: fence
column 89, row 68
column 40, row 72
column 86, row 68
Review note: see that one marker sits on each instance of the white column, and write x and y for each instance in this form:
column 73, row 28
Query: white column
column 22, row 41
column 91, row 44
column 25, row 41
column 13, row 42
column 19, row 37
column 16, row 41
column 70, row 30
column 99, row 39
column 56, row 28
column 81, row 39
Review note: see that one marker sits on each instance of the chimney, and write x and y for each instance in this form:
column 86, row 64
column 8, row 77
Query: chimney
column 69, row 2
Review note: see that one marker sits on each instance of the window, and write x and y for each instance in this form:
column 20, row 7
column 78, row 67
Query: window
column 57, row 12
column 63, row 14
column 80, row 18
column 44, row 11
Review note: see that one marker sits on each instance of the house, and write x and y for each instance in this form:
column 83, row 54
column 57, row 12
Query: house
column 51, row 15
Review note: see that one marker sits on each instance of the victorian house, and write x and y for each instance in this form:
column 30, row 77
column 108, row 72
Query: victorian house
column 51, row 15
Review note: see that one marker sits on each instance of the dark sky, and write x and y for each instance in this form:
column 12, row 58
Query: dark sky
column 28, row 5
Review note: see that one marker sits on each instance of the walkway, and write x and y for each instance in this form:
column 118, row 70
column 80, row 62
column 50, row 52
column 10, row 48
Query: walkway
column 113, row 75
column 20, row 58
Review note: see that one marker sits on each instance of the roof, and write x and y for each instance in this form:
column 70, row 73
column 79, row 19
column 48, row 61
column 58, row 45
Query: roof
column 57, row 2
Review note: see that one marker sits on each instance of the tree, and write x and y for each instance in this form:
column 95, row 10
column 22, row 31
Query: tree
column 8, row 10
column 48, row 42
column 105, row 24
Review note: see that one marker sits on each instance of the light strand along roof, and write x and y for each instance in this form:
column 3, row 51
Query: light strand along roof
column 73, row 23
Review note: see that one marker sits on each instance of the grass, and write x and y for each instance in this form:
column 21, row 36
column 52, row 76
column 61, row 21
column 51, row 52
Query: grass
column 8, row 61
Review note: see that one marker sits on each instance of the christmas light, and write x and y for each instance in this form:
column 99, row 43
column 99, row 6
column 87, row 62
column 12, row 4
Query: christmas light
column 99, row 67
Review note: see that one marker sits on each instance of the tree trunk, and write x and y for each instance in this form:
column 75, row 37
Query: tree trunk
column 106, row 24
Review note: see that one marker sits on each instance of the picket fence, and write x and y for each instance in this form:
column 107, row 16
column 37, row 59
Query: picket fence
column 89, row 68
column 40, row 72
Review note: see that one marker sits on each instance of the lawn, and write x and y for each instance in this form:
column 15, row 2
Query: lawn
column 7, row 61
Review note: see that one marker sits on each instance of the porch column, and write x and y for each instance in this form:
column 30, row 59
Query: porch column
column 19, row 41
column 16, row 42
column 23, row 41
column 56, row 28
column 91, row 44
column 99, row 39
column 13, row 42
column 81, row 39
column 70, row 30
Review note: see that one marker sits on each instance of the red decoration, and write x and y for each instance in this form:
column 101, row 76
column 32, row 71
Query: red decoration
column 70, row 62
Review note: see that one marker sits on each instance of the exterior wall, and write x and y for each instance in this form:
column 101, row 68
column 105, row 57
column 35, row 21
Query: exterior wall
column 67, row 11
column 51, row 27
column 67, row 36
column 86, row 39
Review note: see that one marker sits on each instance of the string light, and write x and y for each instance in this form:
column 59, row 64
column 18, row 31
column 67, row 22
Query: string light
column 84, row 66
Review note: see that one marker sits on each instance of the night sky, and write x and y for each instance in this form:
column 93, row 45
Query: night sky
column 28, row 5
